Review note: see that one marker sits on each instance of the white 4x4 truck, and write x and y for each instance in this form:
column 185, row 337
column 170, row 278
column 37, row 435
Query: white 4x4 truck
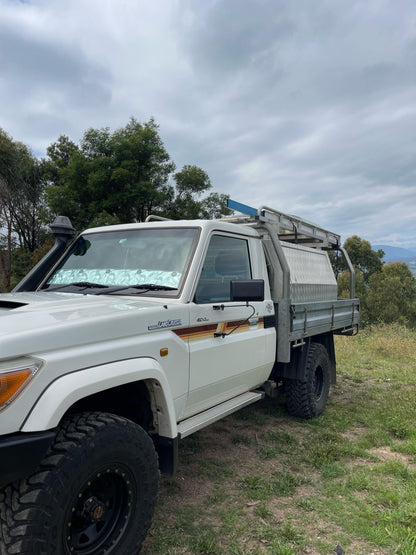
column 131, row 337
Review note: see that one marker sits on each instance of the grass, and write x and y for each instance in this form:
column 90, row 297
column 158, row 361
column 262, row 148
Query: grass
column 260, row 482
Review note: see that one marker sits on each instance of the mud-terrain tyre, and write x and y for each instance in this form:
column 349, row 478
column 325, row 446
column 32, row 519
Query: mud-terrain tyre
column 308, row 398
column 94, row 492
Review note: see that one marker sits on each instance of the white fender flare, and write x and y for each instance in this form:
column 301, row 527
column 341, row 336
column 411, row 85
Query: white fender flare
column 61, row 394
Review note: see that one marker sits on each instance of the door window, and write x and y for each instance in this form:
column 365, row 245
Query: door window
column 227, row 259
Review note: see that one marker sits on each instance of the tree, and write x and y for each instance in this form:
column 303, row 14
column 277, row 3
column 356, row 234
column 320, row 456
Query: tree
column 185, row 200
column 122, row 177
column 367, row 262
column 215, row 206
column 391, row 295
column 363, row 257
column 60, row 155
column 21, row 203
column 109, row 178
column 191, row 180
column 388, row 296
column 361, row 289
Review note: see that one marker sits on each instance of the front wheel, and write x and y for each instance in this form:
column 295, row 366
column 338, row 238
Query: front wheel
column 307, row 398
column 94, row 492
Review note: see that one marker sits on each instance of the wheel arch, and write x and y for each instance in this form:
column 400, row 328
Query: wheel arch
column 113, row 387
column 327, row 340
column 295, row 369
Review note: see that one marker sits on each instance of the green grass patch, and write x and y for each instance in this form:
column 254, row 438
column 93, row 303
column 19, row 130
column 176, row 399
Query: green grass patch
column 282, row 483
column 276, row 485
column 241, row 439
column 216, row 469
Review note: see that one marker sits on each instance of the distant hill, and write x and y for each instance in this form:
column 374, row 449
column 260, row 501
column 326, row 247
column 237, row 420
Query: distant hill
column 397, row 254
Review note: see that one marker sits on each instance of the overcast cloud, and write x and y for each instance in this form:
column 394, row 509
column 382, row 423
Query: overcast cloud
column 305, row 106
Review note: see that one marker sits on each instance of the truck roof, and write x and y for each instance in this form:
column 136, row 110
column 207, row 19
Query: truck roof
column 288, row 227
column 206, row 225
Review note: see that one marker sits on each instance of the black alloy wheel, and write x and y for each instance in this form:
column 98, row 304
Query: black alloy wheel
column 100, row 512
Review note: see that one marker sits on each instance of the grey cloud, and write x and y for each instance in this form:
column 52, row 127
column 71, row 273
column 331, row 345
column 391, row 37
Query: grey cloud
column 49, row 81
column 229, row 38
column 306, row 106
column 37, row 60
column 307, row 53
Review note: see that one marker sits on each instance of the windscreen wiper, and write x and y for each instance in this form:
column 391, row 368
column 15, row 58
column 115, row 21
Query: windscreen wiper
column 145, row 286
column 83, row 284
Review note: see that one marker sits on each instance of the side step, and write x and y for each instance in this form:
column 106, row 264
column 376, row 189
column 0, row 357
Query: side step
column 195, row 423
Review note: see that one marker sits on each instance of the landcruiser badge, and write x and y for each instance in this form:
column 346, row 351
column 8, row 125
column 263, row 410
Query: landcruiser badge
column 165, row 324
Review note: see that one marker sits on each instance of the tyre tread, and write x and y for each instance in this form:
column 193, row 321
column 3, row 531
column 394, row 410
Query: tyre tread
column 299, row 395
column 22, row 502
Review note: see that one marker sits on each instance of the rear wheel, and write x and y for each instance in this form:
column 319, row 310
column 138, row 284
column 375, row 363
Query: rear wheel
column 94, row 492
column 307, row 398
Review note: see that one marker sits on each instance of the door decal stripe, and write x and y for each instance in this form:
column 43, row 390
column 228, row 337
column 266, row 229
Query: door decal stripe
column 196, row 333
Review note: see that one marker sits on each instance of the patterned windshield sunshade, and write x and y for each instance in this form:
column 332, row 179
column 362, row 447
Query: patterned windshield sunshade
column 117, row 277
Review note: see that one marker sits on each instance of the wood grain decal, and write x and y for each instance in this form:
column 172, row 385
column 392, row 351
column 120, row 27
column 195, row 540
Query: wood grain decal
column 196, row 333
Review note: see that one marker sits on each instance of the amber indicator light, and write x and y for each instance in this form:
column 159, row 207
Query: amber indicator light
column 11, row 383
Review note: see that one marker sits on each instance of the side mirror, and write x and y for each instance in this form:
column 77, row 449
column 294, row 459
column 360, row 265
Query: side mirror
column 247, row 290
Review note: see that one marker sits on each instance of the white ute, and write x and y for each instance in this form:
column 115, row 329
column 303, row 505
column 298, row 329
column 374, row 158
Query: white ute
column 130, row 337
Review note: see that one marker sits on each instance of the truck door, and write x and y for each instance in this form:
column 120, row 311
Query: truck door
column 230, row 349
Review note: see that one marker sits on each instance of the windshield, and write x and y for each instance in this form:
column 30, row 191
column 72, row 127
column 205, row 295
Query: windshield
column 128, row 257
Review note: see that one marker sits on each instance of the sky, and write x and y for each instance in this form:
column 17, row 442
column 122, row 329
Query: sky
column 308, row 107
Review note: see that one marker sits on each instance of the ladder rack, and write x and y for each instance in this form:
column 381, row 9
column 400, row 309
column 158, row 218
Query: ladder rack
column 288, row 227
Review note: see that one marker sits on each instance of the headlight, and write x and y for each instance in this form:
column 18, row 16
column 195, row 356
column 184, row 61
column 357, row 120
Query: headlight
column 14, row 377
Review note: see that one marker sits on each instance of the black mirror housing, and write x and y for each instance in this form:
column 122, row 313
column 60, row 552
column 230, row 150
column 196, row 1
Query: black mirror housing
column 247, row 290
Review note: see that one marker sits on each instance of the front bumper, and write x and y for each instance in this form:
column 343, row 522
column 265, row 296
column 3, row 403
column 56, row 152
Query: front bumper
column 20, row 454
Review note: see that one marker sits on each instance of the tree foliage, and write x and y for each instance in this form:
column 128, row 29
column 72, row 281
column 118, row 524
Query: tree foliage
column 21, row 203
column 118, row 177
column 387, row 291
column 391, row 295
column 122, row 177
column 363, row 257
column 108, row 178
column 185, row 200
